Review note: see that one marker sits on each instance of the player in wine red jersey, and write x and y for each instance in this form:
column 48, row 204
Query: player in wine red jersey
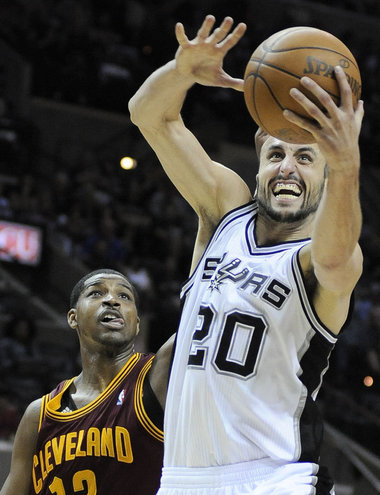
column 101, row 431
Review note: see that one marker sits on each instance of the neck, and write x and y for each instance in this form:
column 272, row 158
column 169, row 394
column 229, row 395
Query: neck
column 100, row 368
column 269, row 232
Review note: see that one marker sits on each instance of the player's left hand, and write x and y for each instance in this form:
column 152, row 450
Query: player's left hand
column 336, row 130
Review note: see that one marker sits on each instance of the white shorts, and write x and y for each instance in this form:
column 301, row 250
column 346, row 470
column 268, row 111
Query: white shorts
column 257, row 477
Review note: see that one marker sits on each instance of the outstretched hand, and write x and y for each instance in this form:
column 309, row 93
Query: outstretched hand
column 336, row 130
column 202, row 57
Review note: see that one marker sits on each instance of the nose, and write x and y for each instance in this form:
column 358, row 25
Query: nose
column 288, row 165
column 110, row 300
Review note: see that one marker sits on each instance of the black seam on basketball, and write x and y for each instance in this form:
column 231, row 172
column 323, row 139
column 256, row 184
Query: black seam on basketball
column 307, row 48
column 254, row 100
column 254, row 103
column 352, row 62
column 276, row 67
column 260, row 60
column 280, row 63
column 270, row 91
column 283, row 35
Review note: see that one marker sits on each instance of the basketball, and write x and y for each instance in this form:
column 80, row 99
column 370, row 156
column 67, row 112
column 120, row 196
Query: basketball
column 278, row 64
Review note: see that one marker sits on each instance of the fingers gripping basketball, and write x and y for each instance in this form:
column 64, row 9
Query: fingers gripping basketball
column 279, row 63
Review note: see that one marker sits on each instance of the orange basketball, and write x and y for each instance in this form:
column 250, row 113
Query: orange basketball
column 278, row 64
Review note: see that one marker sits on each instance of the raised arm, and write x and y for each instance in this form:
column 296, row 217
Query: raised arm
column 19, row 479
column 210, row 188
column 159, row 374
column 334, row 255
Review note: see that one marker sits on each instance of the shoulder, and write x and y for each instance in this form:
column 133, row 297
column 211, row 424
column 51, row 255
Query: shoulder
column 27, row 431
column 30, row 421
column 33, row 411
column 23, row 450
column 231, row 191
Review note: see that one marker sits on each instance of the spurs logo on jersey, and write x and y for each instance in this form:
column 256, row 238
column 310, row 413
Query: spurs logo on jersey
column 268, row 288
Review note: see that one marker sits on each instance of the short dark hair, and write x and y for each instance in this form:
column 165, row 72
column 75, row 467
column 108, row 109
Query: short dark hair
column 79, row 286
column 260, row 137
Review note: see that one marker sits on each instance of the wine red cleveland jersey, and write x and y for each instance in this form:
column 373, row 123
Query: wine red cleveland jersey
column 110, row 446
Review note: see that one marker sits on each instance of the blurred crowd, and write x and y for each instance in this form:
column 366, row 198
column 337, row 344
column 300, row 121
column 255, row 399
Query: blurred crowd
column 95, row 54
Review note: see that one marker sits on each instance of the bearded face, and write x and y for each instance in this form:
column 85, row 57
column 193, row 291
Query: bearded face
column 283, row 209
column 290, row 181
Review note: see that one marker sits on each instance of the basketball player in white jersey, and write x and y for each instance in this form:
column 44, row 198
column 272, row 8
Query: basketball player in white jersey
column 270, row 285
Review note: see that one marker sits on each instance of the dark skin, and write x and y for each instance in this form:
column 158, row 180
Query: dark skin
column 106, row 321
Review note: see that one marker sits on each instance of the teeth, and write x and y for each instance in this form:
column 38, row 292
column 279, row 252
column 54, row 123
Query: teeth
column 113, row 320
column 109, row 317
column 286, row 189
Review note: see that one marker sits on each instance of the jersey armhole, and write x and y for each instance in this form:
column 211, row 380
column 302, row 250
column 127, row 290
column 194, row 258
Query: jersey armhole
column 44, row 402
column 346, row 324
column 151, row 405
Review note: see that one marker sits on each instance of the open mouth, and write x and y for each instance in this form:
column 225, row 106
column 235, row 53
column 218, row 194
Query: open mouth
column 284, row 190
column 112, row 321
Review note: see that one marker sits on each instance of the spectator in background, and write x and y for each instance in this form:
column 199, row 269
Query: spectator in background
column 9, row 417
column 17, row 345
column 103, row 247
column 21, row 362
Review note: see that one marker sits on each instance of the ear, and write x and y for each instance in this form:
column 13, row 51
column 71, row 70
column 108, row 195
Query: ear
column 257, row 185
column 138, row 326
column 72, row 318
column 260, row 137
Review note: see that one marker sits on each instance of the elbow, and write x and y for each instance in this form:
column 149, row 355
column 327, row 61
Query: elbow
column 350, row 263
column 144, row 115
column 140, row 114
column 340, row 275
column 134, row 113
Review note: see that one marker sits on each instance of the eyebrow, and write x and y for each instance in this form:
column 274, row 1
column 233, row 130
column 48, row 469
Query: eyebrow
column 102, row 281
column 311, row 150
column 307, row 148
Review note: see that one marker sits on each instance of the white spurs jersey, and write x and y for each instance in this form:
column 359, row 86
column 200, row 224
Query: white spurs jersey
column 249, row 358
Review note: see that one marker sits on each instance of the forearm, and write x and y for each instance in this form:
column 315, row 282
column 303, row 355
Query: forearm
column 155, row 109
column 210, row 188
column 160, row 98
column 338, row 220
